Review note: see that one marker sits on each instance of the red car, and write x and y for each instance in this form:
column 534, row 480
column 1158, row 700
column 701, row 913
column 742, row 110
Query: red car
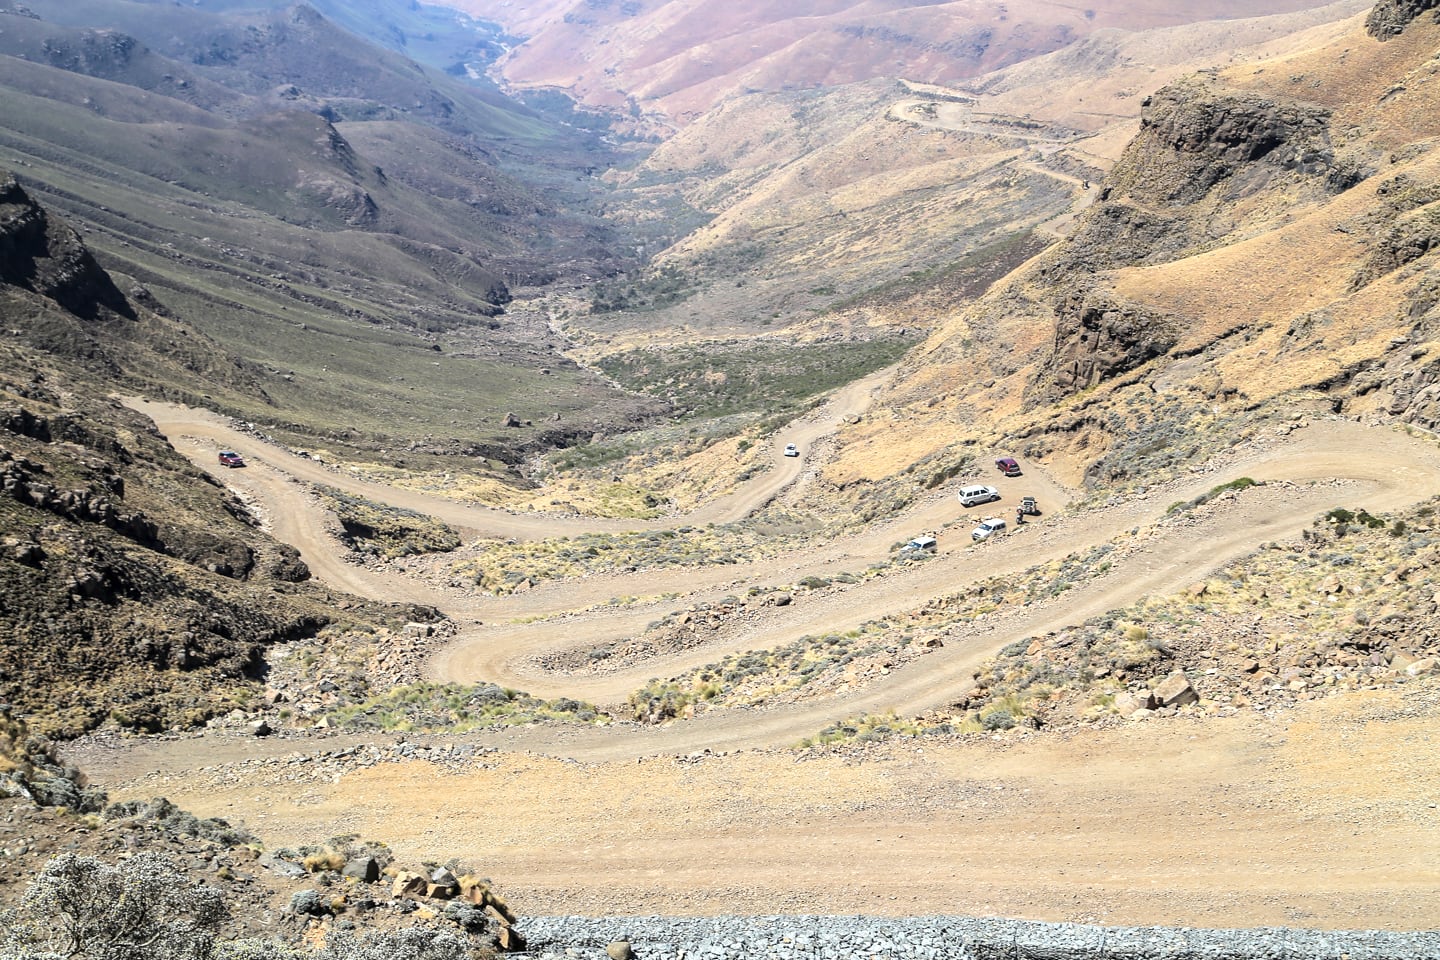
column 1008, row 466
column 229, row 458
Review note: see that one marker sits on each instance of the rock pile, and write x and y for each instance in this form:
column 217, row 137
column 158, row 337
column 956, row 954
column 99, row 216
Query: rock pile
column 360, row 884
column 328, row 766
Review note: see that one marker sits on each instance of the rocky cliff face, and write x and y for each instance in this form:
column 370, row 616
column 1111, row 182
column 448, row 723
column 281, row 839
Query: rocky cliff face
column 134, row 586
column 1390, row 17
column 1098, row 335
column 1196, row 176
column 49, row 258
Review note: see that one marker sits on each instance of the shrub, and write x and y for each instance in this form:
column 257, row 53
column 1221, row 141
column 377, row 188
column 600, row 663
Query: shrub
column 324, row 860
column 79, row 907
column 1001, row 719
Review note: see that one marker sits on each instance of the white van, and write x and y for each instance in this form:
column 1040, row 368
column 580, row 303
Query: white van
column 970, row 496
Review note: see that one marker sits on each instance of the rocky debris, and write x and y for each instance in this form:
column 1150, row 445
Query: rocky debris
column 46, row 809
column 310, row 678
column 955, row 938
column 269, row 894
column 319, row 765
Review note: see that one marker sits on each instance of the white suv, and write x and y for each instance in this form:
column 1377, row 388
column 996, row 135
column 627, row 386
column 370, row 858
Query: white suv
column 970, row 496
column 987, row 527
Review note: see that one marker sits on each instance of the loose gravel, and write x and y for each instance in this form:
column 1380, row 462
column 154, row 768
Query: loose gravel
column 948, row 938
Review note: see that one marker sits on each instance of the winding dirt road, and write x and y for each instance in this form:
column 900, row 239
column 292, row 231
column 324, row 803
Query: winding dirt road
column 1323, row 817
column 500, row 638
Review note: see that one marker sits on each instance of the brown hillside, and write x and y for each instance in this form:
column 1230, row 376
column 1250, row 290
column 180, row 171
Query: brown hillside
column 680, row 59
column 843, row 209
column 1269, row 231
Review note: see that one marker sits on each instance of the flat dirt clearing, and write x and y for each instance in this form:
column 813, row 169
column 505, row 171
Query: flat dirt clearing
column 1324, row 817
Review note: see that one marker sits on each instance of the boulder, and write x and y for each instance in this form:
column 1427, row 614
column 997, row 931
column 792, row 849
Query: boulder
column 1421, row 667
column 279, row 867
column 620, row 950
column 1175, row 691
column 408, row 884
column 1128, row 701
column 364, row 869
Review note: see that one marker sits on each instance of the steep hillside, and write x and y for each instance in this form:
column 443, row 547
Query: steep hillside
column 672, row 62
column 1264, row 239
column 345, row 219
column 135, row 588
column 862, row 210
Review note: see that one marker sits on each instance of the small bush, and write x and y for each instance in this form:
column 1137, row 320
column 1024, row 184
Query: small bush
column 81, row 908
column 1001, row 719
column 325, row 860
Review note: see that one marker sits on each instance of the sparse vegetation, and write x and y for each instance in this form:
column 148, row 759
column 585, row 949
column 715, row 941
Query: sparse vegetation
column 386, row 531
column 651, row 290
column 434, row 707
column 772, row 376
column 1239, row 483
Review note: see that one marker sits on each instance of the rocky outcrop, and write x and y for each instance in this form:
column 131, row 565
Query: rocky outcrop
column 47, row 257
column 1098, row 336
column 1402, row 228
column 1180, row 188
column 1390, row 17
column 1198, row 149
column 1192, row 137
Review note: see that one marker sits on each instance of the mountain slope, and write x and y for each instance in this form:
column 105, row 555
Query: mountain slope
column 346, row 219
column 1266, row 240
column 821, row 212
column 678, row 59
column 135, row 588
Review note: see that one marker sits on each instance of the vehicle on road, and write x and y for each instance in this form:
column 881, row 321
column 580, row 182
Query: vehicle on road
column 229, row 458
column 972, row 495
column 987, row 528
column 791, row 450
column 921, row 543
column 1029, row 506
column 1008, row 466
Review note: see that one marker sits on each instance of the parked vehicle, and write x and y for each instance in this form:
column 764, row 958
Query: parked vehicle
column 987, row 528
column 1029, row 506
column 229, row 458
column 1008, row 466
column 975, row 494
column 791, row 450
column 921, row 543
